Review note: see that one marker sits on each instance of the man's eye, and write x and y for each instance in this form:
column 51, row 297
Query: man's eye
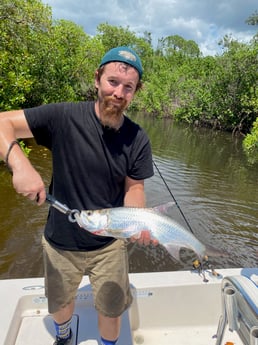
column 113, row 82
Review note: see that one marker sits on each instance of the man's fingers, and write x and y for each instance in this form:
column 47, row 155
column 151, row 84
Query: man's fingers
column 144, row 238
column 154, row 242
column 41, row 197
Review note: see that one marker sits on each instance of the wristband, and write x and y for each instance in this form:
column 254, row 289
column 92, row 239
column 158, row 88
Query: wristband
column 14, row 142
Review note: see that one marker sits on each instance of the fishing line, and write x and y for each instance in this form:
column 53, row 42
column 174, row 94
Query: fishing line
column 172, row 196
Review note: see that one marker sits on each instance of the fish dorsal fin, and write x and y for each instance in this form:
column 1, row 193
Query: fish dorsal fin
column 163, row 208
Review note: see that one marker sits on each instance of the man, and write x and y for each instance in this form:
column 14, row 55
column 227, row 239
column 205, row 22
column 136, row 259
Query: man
column 100, row 159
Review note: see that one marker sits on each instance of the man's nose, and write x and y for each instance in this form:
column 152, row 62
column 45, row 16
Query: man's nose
column 119, row 91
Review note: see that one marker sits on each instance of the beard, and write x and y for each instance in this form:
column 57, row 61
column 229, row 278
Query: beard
column 111, row 111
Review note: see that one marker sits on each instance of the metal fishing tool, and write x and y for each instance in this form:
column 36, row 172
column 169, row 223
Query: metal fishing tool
column 63, row 208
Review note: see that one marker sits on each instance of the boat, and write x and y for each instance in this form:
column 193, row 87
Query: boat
column 169, row 308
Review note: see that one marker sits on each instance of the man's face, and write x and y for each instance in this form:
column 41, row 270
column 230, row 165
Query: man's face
column 116, row 88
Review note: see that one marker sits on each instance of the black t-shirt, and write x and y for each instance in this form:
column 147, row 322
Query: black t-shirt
column 90, row 164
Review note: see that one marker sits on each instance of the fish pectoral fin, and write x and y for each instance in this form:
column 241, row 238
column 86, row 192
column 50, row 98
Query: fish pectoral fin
column 131, row 230
column 163, row 208
column 173, row 249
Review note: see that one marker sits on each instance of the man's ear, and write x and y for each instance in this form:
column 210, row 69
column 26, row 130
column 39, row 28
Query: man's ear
column 96, row 79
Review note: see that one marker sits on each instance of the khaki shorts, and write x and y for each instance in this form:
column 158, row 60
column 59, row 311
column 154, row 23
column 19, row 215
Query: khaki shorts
column 108, row 274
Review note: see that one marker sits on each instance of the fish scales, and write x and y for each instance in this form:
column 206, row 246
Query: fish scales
column 125, row 222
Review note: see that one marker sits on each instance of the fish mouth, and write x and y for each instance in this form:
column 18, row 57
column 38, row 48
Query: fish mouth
column 99, row 232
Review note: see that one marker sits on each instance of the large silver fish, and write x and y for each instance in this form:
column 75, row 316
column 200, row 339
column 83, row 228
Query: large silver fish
column 125, row 222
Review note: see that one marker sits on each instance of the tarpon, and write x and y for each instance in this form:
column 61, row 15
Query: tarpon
column 125, row 222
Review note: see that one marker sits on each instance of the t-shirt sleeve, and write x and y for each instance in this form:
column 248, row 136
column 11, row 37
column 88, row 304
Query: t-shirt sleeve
column 142, row 166
column 40, row 120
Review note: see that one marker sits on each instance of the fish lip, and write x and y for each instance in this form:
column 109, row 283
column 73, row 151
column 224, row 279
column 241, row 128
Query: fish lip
column 98, row 232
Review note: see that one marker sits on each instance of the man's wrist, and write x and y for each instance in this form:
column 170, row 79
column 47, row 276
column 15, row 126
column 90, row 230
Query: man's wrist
column 6, row 160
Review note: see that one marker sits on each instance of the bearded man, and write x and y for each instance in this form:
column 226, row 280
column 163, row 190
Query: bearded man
column 100, row 159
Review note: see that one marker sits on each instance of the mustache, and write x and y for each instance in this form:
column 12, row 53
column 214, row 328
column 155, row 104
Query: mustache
column 119, row 102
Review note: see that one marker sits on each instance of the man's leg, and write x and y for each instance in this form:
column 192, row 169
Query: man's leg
column 64, row 314
column 109, row 327
column 62, row 279
column 108, row 272
column 62, row 322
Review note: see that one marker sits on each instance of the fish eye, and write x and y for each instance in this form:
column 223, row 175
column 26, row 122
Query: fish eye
column 89, row 213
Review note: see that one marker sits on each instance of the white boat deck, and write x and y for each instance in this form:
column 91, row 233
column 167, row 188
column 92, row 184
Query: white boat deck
column 169, row 308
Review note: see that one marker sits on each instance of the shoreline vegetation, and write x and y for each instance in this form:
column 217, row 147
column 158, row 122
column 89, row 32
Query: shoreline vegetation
column 45, row 60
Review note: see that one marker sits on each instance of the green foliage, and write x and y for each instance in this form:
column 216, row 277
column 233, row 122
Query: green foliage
column 22, row 25
column 43, row 61
column 253, row 19
column 177, row 44
column 64, row 65
column 237, row 83
column 112, row 36
column 250, row 143
column 26, row 150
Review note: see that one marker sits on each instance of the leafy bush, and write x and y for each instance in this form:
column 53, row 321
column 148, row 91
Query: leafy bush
column 250, row 143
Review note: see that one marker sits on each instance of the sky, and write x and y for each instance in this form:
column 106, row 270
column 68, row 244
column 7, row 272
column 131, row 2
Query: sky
column 204, row 21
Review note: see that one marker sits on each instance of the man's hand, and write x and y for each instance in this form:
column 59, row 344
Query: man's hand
column 28, row 182
column 144, row 238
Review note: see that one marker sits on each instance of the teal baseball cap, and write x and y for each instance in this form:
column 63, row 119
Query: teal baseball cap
column 123, row 54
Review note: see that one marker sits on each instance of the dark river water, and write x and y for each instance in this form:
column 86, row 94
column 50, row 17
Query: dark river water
column 205, row 172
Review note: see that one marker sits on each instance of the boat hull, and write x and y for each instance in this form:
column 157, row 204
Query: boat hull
column 168, row 308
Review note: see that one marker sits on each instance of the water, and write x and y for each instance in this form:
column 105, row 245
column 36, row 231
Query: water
column 206, row 173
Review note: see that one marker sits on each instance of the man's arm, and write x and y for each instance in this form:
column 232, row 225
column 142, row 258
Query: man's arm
column 134, row 193
column 26, row 180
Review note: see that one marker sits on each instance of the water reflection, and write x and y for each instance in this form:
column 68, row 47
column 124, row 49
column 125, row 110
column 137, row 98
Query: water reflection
column 22, row 223
column 208, row 175
column 212, row 182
